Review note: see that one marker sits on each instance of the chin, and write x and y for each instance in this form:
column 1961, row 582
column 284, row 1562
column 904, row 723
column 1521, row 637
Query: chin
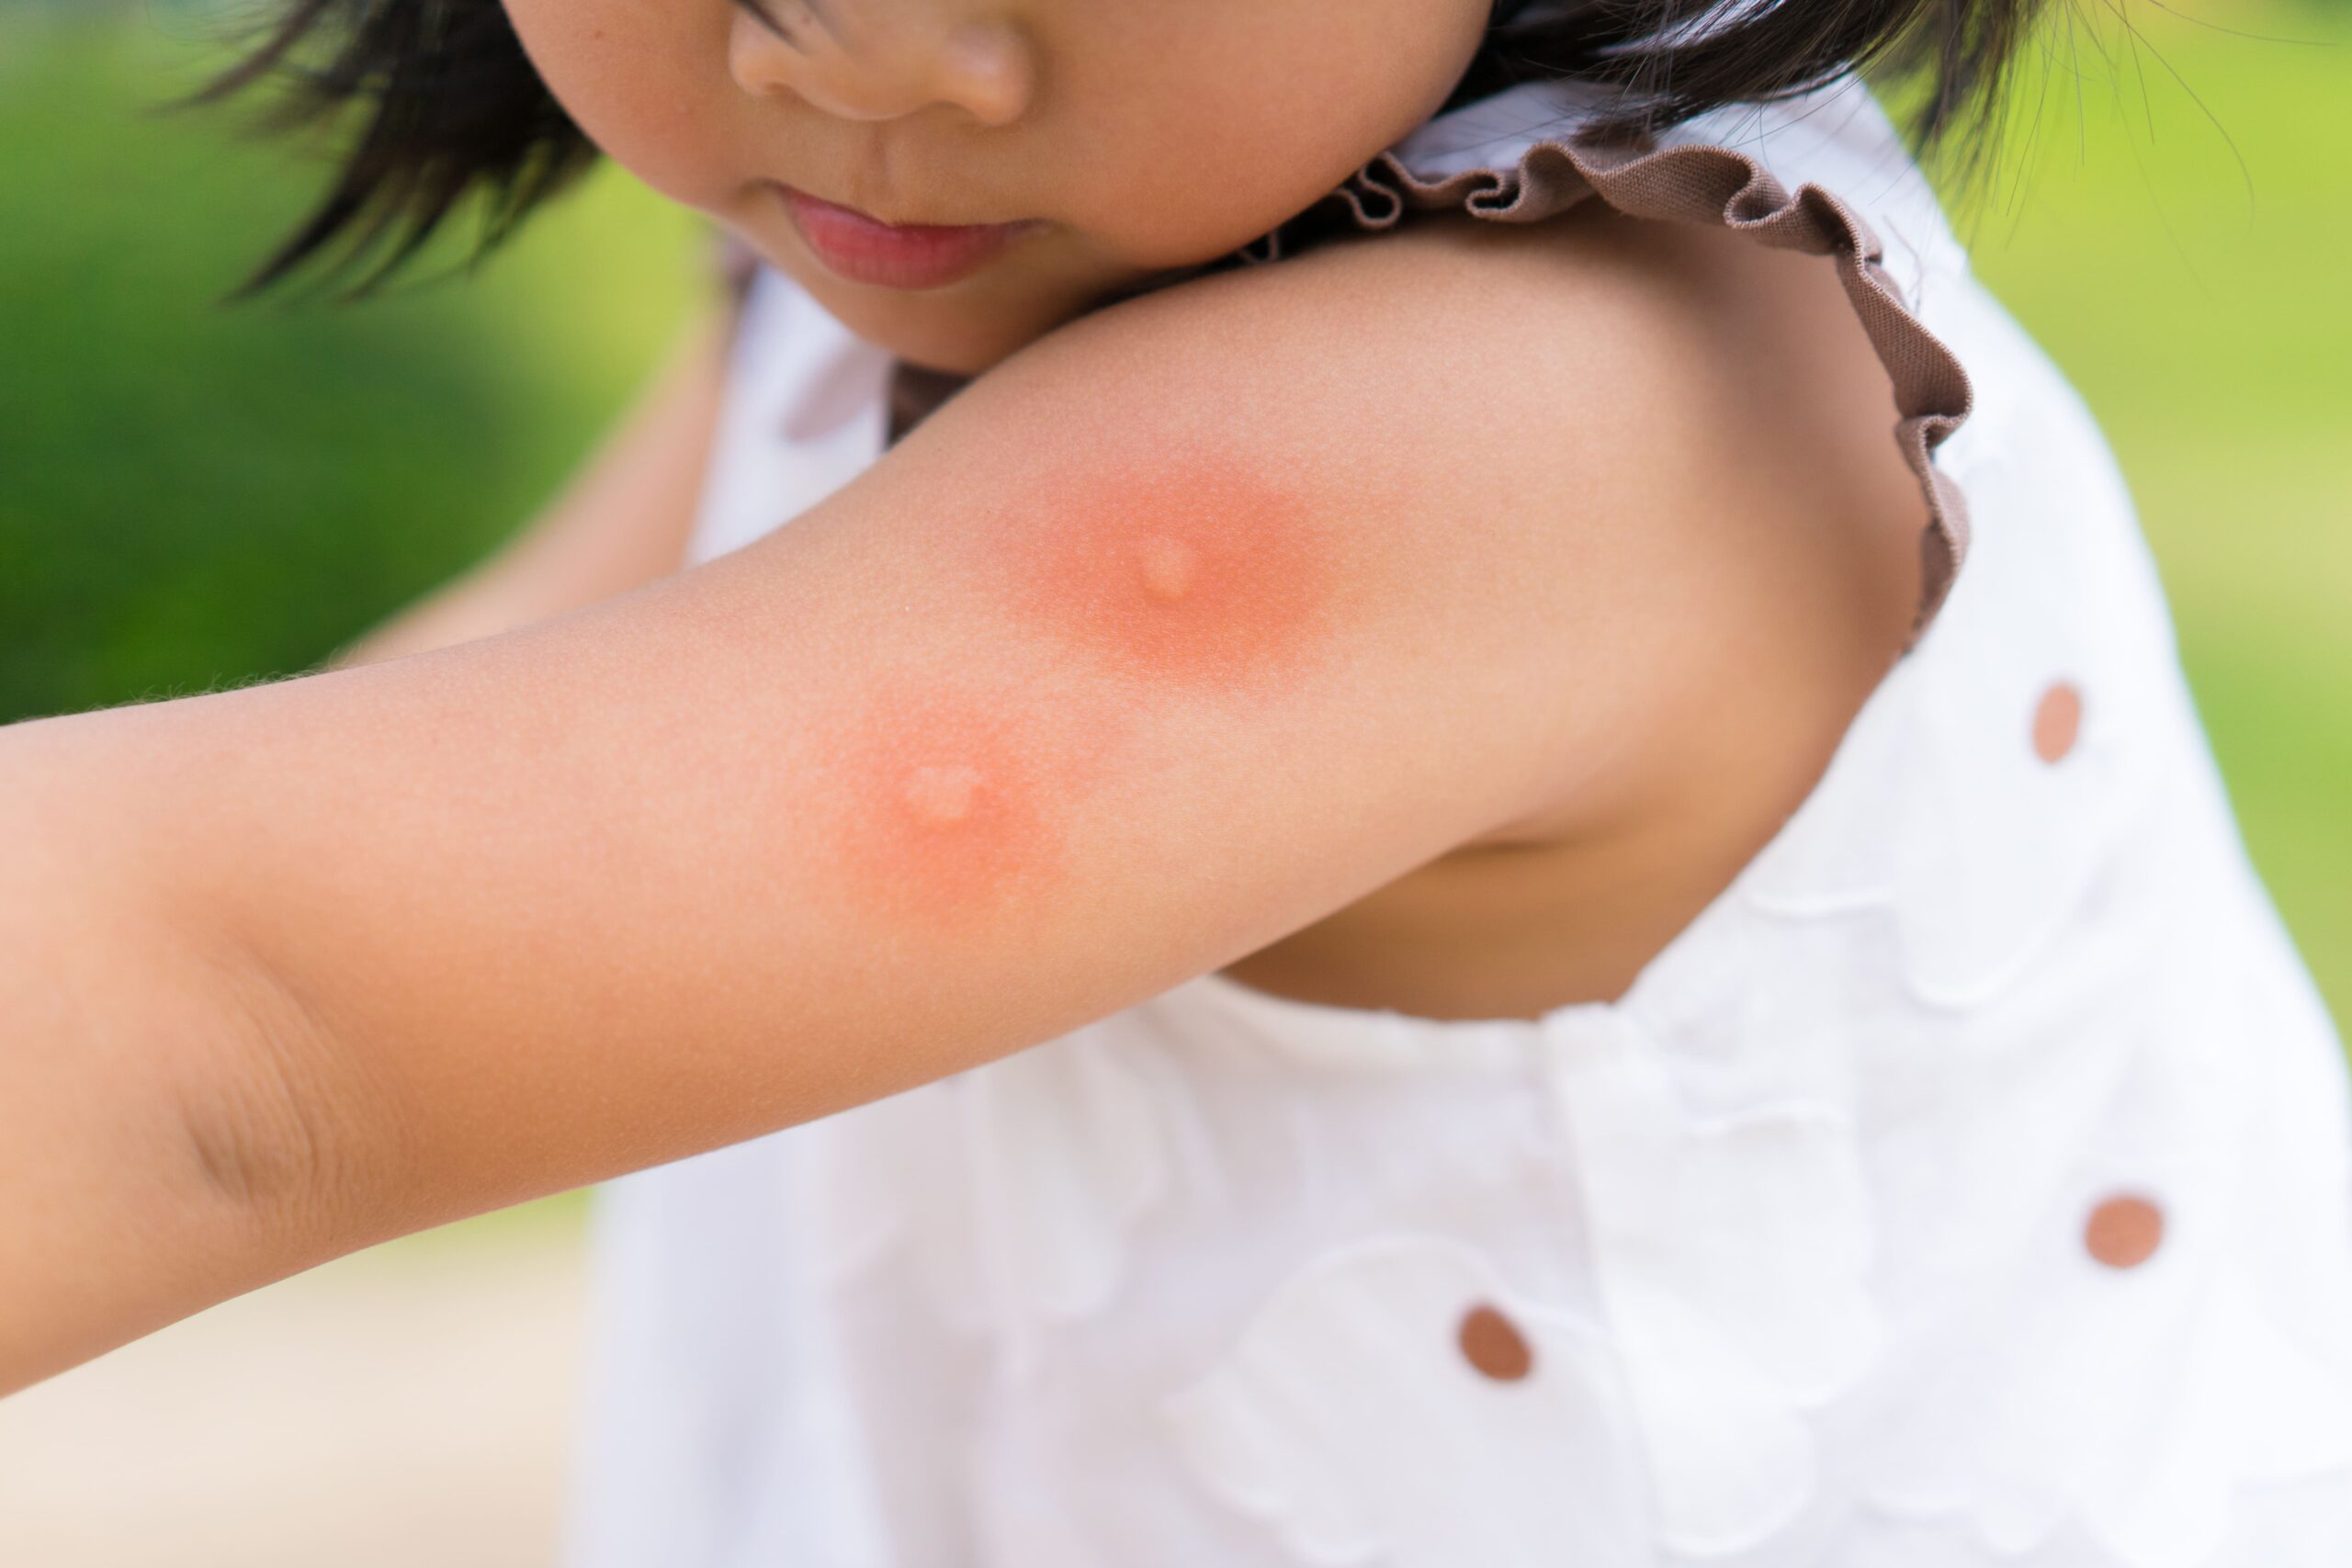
column 963, row 330
column 964, row 348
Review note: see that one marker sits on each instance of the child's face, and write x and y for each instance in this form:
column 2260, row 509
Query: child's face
column 1124, row 137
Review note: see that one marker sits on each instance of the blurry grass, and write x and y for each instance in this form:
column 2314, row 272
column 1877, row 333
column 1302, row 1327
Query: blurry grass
column 197, row 494
column 2178, row 244
column 192, row 495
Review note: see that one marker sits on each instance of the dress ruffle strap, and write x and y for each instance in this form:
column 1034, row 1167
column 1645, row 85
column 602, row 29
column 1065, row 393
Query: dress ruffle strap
column 1711, row 185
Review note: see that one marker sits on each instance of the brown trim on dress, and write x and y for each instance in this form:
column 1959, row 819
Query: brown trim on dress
column 1709, row 184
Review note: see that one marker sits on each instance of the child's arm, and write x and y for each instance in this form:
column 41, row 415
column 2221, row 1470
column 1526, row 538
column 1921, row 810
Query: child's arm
column 622, row 521
column 1144, row 651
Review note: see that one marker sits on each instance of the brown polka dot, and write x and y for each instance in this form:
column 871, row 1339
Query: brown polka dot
column 2124, row 1232
column 2057, row 721
column 1493, row 1344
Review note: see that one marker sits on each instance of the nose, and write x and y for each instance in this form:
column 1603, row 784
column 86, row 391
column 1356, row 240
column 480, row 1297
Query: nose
column 872, row 60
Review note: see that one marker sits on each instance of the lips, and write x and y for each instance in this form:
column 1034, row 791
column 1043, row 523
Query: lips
column 861, row 249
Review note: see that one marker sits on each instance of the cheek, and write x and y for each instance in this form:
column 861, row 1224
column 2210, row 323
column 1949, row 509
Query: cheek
column 647, row 83
column 1234, row 114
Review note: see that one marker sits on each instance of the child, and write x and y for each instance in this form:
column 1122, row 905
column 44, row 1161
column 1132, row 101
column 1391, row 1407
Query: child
column 1411, row 898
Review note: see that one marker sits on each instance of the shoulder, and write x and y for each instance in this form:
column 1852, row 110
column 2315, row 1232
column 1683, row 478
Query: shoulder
column 1669, row 447
column 1592, row 382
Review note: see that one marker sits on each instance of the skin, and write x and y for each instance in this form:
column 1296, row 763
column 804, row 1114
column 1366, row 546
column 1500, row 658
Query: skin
column 952, row 806
column 1143, row 139
column 1182, row 571
column 1143, row 656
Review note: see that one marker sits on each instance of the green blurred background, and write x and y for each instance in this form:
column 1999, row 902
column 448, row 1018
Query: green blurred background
column 194, row 496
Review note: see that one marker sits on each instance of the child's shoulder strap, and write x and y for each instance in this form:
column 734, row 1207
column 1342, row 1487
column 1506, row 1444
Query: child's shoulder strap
column 1524, row 156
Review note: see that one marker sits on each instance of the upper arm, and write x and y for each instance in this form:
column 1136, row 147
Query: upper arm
column 1180, row 630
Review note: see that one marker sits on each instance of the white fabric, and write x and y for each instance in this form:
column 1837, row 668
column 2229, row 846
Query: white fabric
column 1793, row 1233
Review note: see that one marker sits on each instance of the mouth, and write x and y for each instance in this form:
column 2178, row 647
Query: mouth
column 861, row 249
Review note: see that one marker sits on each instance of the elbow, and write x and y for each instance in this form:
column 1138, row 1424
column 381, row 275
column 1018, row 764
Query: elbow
column 176, row 1125
column 271, row 1125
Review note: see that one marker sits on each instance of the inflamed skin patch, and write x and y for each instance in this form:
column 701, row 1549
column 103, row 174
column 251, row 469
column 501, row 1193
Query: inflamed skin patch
column 1197, row 580
column 1194, row 574
column 953, row 802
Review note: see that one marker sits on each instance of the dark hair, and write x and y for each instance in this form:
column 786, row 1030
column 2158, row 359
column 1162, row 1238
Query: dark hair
column 450, row 110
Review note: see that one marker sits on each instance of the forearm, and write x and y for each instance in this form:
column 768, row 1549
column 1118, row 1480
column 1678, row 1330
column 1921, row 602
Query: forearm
column 147, row 1168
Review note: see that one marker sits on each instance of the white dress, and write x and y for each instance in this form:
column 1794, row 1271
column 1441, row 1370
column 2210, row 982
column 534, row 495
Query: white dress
column 1970, row 1184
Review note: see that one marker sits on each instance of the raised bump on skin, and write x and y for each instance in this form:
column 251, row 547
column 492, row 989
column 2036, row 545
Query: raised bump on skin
column 949, row 798
column 1191, row 570
column 941, row 796
column 1171, row 567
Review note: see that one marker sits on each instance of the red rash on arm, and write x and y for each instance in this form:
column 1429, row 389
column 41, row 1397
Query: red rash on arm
column 950, row 804
column 1194, row 573
column 1195, row 576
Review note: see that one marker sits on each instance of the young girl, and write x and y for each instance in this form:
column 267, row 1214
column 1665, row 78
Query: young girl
column 1412, row 899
